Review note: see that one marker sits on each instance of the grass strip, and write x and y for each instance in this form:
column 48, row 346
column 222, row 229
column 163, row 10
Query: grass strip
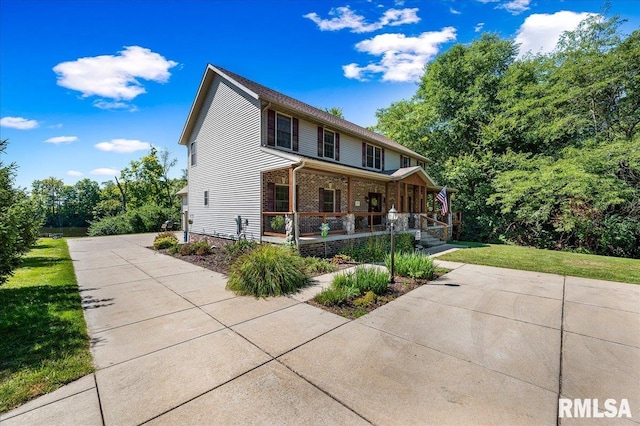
column 554, row 262
column 43, row 334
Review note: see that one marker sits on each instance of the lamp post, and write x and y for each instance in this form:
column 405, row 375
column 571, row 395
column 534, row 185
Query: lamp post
column 392, row 217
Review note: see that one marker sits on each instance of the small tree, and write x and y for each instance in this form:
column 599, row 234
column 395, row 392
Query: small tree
column 19, row 220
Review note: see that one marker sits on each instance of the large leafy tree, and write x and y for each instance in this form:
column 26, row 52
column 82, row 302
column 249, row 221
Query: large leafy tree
column 543, row 149
column 19, row 219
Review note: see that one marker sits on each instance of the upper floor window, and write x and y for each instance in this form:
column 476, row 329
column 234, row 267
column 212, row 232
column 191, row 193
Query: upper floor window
column 192, row 153
column 373, row 157
column 422, row 164
column 405, row 161
column 206, row 198
column 283, row 131
column 329, row 144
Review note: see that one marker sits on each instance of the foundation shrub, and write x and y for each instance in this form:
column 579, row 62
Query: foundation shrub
column 267, row 270
column 164, row 243
column 238, row 248
column 375, row 249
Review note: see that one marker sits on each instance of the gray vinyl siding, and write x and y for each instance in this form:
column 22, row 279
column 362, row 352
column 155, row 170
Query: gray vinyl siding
column 350, row 147
column 228, row 163
column 392, row 160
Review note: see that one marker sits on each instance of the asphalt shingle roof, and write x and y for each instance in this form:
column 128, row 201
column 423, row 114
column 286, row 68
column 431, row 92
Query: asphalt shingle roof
column 330, row 120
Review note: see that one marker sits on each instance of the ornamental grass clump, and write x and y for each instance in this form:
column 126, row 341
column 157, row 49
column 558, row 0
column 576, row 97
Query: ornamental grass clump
column 267, row 271
column 412, row 265
column 352, row 284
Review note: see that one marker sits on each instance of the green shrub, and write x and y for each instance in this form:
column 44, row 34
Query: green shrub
column 368, row 299
column 405, row 243
column 164, row 243
column 146, row 218
column 277, row 223
column 167, row 234
column 353, row 284
column 335, row 295
column 370, row 279
column 238, row 248
column 200, row 248
column 267, row 270
column 314, row 265
column 375, row 249
column 111, row 225
column 413, row 265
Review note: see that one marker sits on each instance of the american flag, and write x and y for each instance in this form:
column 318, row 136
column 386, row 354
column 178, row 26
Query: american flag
column 442, row 197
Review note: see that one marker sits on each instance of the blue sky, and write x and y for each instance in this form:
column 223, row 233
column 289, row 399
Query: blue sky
column 88, row 86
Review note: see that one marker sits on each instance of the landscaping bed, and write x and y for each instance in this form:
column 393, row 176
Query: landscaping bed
column 351, row 309
column 267, row 270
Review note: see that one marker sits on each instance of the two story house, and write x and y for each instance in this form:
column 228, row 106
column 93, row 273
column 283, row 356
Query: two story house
column 268, row 167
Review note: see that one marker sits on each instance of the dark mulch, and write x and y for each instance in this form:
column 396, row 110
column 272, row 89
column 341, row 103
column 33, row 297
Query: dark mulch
column 216, row 261
column 219, row 262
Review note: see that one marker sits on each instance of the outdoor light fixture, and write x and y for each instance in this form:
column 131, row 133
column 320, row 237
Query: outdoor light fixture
column 392, row 217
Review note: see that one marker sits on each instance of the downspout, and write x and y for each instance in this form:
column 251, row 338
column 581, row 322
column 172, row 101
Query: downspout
column 295, row 204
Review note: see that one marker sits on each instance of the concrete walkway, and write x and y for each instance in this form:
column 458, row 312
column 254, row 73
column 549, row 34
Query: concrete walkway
column 481, row 345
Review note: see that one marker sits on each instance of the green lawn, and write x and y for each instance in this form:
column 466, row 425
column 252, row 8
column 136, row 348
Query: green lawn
column 555, row 262
column 43, row 336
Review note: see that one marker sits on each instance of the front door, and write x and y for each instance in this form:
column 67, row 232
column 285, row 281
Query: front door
column 375, row 205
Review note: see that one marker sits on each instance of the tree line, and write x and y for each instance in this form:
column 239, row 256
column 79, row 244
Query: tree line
column 139, row 199
column 144, row 185
column 544, row 149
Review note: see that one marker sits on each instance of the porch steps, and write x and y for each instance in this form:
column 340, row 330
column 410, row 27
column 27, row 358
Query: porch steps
column 427, row 240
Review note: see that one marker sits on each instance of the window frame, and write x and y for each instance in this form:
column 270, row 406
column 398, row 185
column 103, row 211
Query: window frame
column 206, row 198
column 192, row 153
column 332, row 202
column 406, row 162
column 332, row 144
column 376, row 161
column 277, row 131
column 276, row 201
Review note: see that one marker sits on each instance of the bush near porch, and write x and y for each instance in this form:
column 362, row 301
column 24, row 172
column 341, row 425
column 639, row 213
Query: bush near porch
column 375, row 249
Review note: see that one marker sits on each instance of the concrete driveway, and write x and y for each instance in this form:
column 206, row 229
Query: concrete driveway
column 481, row 345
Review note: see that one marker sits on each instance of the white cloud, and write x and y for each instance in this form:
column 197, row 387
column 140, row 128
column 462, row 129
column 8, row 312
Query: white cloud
column 104, row 104
column 56, row 126
column 74, row 173
column 487, row 1
column 540, row 32
column 123, row 146
column 62, row 139
column 403, row 58
column 479, row 26
column 104, row 171
column 344, row 18
column 454, row 12
column 18, row 123
column 115, row 77
column 515, row 7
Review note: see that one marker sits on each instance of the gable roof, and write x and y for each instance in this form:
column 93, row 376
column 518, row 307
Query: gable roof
column 278, row 99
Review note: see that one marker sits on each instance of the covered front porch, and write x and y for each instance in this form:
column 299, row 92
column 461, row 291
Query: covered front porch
column 304, row 201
